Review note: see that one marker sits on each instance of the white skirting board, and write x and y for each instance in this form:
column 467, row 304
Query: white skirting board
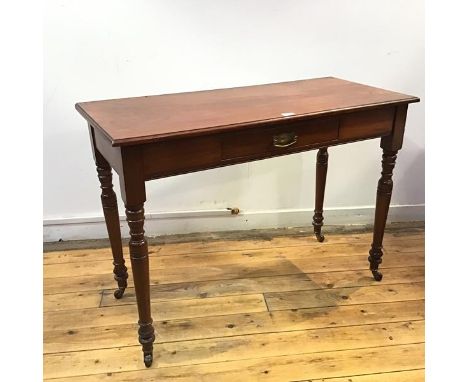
column 180, row 222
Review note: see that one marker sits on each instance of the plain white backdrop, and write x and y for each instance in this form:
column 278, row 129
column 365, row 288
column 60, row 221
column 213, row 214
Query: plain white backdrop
column 117, row 48
column 446, row 211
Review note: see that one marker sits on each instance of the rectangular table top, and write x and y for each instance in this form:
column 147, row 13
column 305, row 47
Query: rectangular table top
column 147, row 119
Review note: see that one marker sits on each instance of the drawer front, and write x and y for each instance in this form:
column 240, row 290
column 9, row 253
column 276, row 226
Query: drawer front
column 181, row 156
column 366, row 124
column 276, row 140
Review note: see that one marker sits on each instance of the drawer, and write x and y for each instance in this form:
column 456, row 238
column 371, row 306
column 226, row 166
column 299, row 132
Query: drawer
column 180, row 156
column 366, row 124
column 275, row 140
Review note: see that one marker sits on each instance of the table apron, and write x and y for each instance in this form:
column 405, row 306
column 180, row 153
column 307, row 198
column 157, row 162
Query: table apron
column 168, row 158
column 184, row 155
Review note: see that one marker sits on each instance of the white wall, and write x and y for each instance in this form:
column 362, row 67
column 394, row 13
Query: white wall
column 116, row 48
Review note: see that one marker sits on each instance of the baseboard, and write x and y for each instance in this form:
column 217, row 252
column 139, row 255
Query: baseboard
column 181, row 222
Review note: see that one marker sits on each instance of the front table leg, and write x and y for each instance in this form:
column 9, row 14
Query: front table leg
column 111, row 215
column 140, row 269
column 384, row 194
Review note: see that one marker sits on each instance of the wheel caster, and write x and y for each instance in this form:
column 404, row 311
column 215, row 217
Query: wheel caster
column 118, row 293
column 320, row 237
column 377, row 275
column 148, row 358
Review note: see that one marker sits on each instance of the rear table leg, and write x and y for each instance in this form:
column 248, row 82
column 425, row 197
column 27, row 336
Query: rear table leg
column 111, row 214
column 320, row 180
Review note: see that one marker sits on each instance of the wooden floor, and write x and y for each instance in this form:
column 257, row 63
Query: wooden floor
column 285, row 309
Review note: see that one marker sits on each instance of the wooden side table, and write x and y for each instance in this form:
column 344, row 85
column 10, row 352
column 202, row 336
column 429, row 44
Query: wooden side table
column 153, row 137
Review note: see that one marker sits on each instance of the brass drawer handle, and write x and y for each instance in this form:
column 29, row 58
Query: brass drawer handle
column 284, row 139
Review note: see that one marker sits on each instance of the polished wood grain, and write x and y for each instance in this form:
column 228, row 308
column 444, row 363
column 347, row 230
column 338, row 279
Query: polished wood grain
column 180, row 156
column 147, row 119
column 256, row 143
column 220, row 330
column 367, row 124
column 153, row 137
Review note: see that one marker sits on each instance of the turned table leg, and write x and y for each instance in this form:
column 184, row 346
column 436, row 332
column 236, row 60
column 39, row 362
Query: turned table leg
column 320, row 180
column 140, row 269
column 384, row 195
column 111, row 215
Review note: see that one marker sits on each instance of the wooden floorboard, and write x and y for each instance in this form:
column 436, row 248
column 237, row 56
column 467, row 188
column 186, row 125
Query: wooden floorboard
column 218, row 288
column 397, row 376
column 283, row 309
column 86, row 280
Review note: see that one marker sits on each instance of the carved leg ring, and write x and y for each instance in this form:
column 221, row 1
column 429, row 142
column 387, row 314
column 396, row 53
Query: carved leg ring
column 321, row 178
column 111, row 214
column 384, row 195
column 140, row 269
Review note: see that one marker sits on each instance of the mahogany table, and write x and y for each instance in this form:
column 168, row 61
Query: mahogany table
column 153, row 137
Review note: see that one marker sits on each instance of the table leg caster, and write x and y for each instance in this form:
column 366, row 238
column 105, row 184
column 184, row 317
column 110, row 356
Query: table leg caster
column 118, row 293
column 375, row 259
column 318, row 223
column 377, row 275
column 148, row 358
column 320, row 237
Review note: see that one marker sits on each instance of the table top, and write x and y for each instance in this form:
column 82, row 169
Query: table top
column 147, row 119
